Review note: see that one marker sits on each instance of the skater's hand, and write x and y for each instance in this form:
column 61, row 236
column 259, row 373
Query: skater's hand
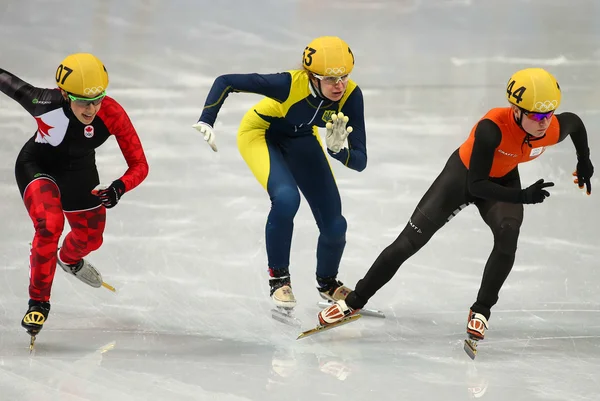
column 536, row 193
column 209, row 134
column 337, row 132
column 109, row 194
column 584, row 171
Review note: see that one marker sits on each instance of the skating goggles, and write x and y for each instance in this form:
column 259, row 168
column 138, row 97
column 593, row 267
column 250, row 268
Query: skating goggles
column 86, row 101
column 332, row 80
column 537, row 116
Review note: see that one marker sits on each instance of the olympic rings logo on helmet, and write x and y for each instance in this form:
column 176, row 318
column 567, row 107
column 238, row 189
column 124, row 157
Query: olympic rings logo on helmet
column 545, row 106
column 93, row 90
column 335, row 70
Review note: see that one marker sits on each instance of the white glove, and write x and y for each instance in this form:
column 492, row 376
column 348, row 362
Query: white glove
column 207, row 131
column 337, row 132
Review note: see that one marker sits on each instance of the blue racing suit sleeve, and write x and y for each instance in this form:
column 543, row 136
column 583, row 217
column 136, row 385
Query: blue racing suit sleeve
column 355, row 156
column 275, row 86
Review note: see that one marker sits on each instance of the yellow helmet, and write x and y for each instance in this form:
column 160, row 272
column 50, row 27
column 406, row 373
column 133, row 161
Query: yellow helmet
column 533, row 89
column 328, row 56
column 82, row 74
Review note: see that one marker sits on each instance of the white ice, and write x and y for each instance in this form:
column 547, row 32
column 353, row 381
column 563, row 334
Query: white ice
column 186, row 249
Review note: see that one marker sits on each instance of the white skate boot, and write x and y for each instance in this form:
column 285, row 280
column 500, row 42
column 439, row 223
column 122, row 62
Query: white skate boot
column 336, row 313
column 281, row 288
column 476, row 327
column 283, row 297
column 331, row 289
column 84, row 271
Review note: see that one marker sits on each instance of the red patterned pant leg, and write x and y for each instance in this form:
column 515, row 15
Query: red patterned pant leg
column 87, row 228
column 42, row 200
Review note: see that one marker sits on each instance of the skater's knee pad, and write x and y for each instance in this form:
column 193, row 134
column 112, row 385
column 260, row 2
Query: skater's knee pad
column 285, row 202
column 335, row 229
column 49, row 228
column 42, row 201
column 399, row 250
column 506, row 235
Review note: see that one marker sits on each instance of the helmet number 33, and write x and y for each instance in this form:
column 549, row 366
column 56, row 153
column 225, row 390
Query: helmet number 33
column 517, row 93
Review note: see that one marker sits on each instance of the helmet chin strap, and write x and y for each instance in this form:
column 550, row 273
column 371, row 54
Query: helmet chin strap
column 317, row 88
column 519, row 122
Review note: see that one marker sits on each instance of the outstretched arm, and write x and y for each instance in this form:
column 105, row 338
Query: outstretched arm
column 275, row 86
column 25, row 94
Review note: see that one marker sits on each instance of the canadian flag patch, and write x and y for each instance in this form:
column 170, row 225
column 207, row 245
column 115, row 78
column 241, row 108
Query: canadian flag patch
column 88, row 131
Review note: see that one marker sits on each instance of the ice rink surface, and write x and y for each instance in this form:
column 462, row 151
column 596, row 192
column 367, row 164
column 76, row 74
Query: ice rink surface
column 186, row 249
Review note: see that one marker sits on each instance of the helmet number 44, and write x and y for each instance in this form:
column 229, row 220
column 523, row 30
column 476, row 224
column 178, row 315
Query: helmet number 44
column 517, row 93
column 59, row 73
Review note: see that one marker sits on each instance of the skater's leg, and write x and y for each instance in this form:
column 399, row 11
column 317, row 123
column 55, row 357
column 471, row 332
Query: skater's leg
column 87, row 228
column 265, row 160
column 442, row 201
column 504, row 219
column 42, row 201
column 314, row 176
column 87, row 218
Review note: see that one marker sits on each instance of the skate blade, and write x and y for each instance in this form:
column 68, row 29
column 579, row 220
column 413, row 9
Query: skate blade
column 471, row 348
column 108, row 287
column 285, row 316
column 31, row 344
column 365, row 312
column 321, row 328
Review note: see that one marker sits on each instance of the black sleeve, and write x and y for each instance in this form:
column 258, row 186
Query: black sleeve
column 487, row 138
column 20, row 91
column 571, row 124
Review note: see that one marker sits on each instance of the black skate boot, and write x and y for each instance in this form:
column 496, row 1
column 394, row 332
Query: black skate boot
column 332, row 289
column 281, row 288
column 35, row 317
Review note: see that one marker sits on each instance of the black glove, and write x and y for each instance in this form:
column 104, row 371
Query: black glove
column 110, row 195
column 536, row 193
column 585, row 171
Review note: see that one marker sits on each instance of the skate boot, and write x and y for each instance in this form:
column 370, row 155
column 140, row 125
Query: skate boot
column 281, row 288
column 476, row 326
column 336, row 313
column 84, row 271
column 35, row 317
column 332, row 289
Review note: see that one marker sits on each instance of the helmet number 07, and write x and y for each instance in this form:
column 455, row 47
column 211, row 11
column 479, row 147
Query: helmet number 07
column 517, row 94
column 59, row 73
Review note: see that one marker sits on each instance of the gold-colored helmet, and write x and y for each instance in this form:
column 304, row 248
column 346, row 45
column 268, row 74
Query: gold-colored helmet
column 82, row 74
column 534, row 90
column 328, row 56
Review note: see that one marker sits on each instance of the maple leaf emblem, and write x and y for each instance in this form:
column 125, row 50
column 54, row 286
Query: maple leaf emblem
column 43, row 128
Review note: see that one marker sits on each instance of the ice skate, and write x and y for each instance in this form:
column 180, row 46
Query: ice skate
column 281, row 288
column 282, row 296
column 34, row 319
column 337, row 314
column 332, row 290
column 85, row 272
column 476, row 327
